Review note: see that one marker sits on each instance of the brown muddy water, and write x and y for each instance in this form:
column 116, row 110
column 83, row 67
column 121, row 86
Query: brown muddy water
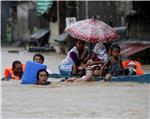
column 128, row 100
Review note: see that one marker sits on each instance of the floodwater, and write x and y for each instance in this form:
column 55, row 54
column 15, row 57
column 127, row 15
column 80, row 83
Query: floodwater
column 75, row 100
column 128, row 100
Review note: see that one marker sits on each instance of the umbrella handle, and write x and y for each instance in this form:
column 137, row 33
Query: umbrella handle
column 94, row 17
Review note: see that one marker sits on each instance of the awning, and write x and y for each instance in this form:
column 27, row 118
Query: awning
column 129, row 49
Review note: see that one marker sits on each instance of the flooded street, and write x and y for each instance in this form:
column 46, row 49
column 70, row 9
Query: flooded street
column 113, row 27
column 71, row 100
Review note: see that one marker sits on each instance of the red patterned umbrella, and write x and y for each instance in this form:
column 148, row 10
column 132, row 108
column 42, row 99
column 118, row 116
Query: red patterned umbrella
column 92, row 30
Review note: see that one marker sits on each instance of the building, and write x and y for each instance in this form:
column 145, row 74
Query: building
column 130, row 17
column 20, row 19
column 132, row 14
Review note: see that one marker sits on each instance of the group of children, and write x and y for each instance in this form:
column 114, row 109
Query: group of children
column 99, row 63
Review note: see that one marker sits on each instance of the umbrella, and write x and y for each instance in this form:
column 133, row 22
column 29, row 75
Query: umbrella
column 92, row 30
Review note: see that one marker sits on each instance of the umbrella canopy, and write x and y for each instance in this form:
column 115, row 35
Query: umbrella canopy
column 92, row 30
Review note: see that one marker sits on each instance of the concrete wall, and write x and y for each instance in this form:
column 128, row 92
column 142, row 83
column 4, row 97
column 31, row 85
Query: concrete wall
column 140, row 22
column 114, row 13
column 104, row 10
column 22, row 30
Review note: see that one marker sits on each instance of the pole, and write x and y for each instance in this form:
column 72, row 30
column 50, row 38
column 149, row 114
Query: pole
column 86, row 9
column 71, row 12
column 58, row 18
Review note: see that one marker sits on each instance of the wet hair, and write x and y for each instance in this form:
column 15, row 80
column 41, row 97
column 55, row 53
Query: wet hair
column 15, row 62
column 115, row 46
column 39, row 55
column 37, row 76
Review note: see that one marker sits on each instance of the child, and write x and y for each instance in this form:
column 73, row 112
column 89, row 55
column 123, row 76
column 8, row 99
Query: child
column 132, row 67
column 38, row 58
column 91, row 62
column 98, row 58
column 42, row 77
column 114, row 65
column 15, row 71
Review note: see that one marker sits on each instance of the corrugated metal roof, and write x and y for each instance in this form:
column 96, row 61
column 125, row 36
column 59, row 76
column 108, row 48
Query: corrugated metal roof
column 129, row 49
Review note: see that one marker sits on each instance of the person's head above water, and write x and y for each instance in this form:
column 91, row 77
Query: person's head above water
column 42, row 77
column 80, row 44
column 17, row 68
column 38, row 58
